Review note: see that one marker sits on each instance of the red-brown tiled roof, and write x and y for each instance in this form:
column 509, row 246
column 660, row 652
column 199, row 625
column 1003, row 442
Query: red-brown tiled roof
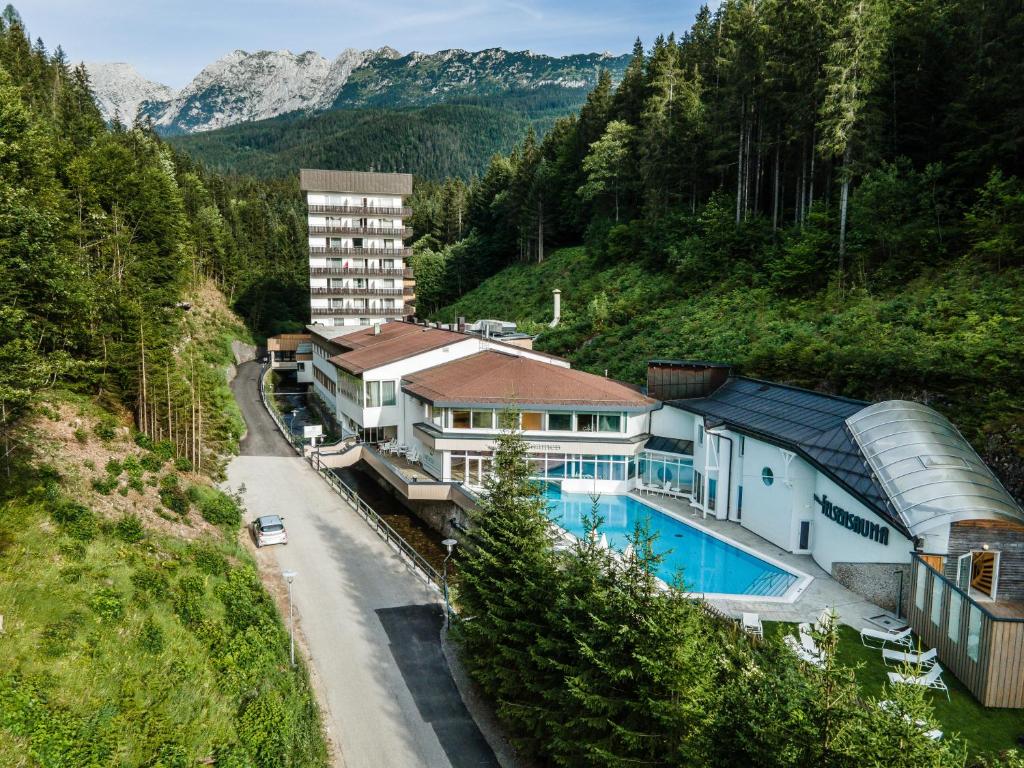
column 365, row 349
column 496, row 378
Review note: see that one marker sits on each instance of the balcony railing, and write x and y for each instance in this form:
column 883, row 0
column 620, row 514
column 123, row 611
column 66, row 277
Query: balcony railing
column 343, row 291
column 409, row 291
column 407, row 273
column 341, row 229
column 369, row 210
column 328, row 251
column 358, row 311
column 356, row 272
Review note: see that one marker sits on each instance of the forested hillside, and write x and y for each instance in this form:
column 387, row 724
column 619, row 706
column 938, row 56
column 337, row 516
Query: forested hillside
column 455, row 139
column 823, row 193
column 135, row 628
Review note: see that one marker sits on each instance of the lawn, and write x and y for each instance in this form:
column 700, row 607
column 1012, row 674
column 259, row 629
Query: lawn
column 985, row 729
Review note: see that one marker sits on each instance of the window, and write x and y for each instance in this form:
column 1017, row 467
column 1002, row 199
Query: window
column 460, row 420
column 767, row 476
column 324, row 380
column 387, row 393
column 742, row 444
column 937, row 590
column 712, row 493
column 373, row 394
column 922, row 574
column 560, row 421
column 953, row 625
column 974, row 633
column 698, row 487
column 739, row 502
column 609, row 422
column 437, row 416
column 586, row 422
column 532, row 421
column 700, row 434
column 483, row 419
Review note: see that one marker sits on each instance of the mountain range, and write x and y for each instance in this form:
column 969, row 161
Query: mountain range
column 244, row 87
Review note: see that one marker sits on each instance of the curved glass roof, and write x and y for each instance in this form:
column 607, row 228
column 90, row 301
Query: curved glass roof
column 930, row 473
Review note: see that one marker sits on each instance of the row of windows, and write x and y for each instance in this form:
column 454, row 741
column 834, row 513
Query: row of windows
column 368, row 394
column 324, row 380
column 528, row 421
column 284, row 356
column 473, row 466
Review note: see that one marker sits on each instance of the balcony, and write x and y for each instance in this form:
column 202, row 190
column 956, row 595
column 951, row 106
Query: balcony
column 358, row 311
column 407, row 273
column 342, row 291
column 320, row 250
column 340, row 229
column 356, row 272
column 367, row 210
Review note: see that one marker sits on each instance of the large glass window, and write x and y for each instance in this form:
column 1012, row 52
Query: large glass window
column 974, row 633
column 560, row 421
column 937, row 589
column 953, row 625
column 483, row 419
column 712, row 493
column 380, row 393
column 586, row 422
column 460, row 419
column 922, row 574
column 609, row 422
column 533, row 421
column 387, row 393
column 437, row 416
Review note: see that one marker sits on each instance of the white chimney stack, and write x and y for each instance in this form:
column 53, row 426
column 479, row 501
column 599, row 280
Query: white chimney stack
column 557, row 294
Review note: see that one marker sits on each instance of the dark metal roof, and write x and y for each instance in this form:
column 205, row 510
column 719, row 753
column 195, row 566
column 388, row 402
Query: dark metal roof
column 810, row 423
column 363, row 182
column 669, row 445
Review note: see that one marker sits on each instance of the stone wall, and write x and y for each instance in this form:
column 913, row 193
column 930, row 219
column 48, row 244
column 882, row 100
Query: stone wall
column 877, row 582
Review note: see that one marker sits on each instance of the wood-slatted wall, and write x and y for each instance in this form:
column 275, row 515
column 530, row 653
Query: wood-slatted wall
column 996, row 678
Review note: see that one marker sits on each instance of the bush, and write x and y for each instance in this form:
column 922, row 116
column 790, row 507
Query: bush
column 129, row 529
column 81, row 436
column 152, row 580
column 57, row 637
column 209, row 560
column 104, row 484
column 188, row 599
column 172, row 496
column 114, row 467
column 106, row 428
column 77, row 520
column 182, row 464
column 89, row 464
column 131, row 465
column 136, row 484
column 164, row 450
column 107, row 604
column 151, row 462
column 215, row 506
column 151, row 636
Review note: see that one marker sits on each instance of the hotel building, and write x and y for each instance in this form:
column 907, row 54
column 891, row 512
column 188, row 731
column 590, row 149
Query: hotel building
column 358, row 271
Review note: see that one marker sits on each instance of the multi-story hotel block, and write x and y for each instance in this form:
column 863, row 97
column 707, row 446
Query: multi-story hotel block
column 358, row 271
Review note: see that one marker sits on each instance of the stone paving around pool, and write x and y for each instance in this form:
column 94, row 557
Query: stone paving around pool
column 823, row 591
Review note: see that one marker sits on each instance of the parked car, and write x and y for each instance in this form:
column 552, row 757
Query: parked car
column 268, row 529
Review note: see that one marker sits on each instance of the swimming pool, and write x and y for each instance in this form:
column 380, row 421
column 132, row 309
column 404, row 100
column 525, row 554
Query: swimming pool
column 708, row 564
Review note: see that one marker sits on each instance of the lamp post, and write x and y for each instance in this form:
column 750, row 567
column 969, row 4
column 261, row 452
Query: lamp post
column 289, row 576
column 450, row 545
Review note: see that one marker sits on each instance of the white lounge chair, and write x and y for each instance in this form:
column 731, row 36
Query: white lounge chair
column 883, row 638
column 924, row 659
column 412, row 455
column 801, row 653
column 752, row 625
column 932, row 679
column 825, row 619
column 932, row 733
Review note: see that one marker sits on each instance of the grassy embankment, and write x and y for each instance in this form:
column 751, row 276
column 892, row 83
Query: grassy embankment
column 136, row 630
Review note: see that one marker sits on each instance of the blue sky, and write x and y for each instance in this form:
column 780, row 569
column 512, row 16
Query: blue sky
column 171, row 40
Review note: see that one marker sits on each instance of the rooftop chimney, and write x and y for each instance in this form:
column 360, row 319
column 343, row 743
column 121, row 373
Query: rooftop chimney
column 557, row 294
column 462, row 325
column 376, row 329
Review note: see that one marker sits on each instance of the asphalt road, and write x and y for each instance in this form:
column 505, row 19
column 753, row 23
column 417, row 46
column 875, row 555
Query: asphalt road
column 371, row 625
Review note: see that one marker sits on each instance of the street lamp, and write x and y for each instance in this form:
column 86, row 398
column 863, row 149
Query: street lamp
column 289, row 576
column 450, row 545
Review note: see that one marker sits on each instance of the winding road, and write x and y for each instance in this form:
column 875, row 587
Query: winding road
column 371, row 626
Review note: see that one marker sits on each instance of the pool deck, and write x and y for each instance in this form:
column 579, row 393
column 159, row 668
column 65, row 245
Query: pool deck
column 823, row 591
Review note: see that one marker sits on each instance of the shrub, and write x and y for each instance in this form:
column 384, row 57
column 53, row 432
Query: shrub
column 182, row 464
column 123, row 490
column 152, row 481
column 114, row 467
column 164, row 449
column 151, row 462
column 89, row 464
column 215, row 506
column 73, row 549
column 129, row 528
column 104, row 484
column 246, row 604
column 172, row 496
column 131, row 465
column 136, row 484
column 106, row 428
column 81, row 436
column 77, row 520
column 143, row 440
column 151, row 580
column 260, row 729
column 188, row 599
column 209, row 560
column 107, row 604
column 151, row 636
column 57, row 637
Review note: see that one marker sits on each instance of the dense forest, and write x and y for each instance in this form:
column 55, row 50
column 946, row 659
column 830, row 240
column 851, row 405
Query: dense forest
column 827, row 194
column 454, row 139
column 136, row 630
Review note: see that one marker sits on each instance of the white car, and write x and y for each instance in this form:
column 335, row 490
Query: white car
column 268, row 529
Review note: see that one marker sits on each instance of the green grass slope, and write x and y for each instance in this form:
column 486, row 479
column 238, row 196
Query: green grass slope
column 953, row 337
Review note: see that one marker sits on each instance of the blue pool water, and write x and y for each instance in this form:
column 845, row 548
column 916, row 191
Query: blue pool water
column 707, row 564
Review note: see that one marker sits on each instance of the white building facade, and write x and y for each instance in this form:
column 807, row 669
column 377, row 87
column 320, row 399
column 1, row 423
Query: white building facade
column 358, row 261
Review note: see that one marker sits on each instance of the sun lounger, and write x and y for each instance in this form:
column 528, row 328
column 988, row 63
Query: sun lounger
column 933, row 679
column 752, row 624
column 801, row 653
column 879, row 638
column 926, row 659
column 932, row 733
